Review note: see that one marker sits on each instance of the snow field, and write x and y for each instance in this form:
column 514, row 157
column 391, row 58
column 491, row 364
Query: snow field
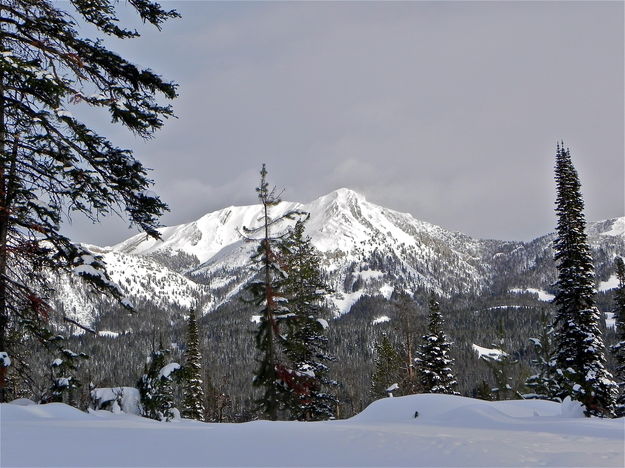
column 449, row 431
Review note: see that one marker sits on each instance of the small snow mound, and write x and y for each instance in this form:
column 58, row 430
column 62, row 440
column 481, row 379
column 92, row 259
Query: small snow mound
column 572, row 408
column 22, row 402
column 402, row 409
column 455, row 409
column 58, row 411
column 116, row 399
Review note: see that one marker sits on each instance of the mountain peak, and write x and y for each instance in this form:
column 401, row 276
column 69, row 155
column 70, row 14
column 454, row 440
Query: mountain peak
column 344, row 193
column 339, row 197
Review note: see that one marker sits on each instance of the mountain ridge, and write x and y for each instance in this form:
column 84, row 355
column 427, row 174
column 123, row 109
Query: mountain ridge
column 365, row 249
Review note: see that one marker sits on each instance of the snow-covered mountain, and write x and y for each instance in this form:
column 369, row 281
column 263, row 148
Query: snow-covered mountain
column 366, row 249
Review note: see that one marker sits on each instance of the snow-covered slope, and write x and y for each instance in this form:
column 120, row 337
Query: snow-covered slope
column 141, row 279
column 365, row 249
column 448, row 431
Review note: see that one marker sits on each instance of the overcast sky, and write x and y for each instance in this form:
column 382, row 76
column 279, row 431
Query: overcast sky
column 448, row 111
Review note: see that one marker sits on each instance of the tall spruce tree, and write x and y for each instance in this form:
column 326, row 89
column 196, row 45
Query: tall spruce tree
column 580, row 355
column 193, row 390
column 433, row 360
column 274, row 375
column 619, row 348
column 51, row 163
column 306, row 344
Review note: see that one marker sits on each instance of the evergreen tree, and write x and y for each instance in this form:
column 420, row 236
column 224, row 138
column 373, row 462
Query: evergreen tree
column 63, row 375
column 387, row 370
column 306, row 344
column 51, row 163
column 542, row 383
column 434, row 361
column 579, row 355
column 619, row 348
column 193, row 401
column 273, row 375
column 482, row 391
column 155, row 387
column 501, row 366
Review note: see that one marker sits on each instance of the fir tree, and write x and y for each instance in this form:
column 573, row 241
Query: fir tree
column 63, row 375
column 619, row 348
column 434, row 361
column 579, row 354
column 501, row 366
column 387, row 370
column 542, row 383
column 306, row 345
column 51, row 163
column 274, row 375
column 193, row 401
column 155, row 387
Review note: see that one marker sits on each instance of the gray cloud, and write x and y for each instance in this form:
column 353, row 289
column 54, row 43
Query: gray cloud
column 449, row 111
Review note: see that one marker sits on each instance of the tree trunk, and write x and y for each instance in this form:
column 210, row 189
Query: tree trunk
column 4, row 316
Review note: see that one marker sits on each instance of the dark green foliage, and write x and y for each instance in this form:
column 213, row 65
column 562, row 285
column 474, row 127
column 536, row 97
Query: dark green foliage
column 502, row 369
column 51, row 163
column 434, row 360
column 306, row 344
column 155, row 387
column 63, row 375
column 274, row 375
column 618, row 349
column 482, row 391
column 388, row 369
column 542, row 383
column 580, row 358
column 193, row 391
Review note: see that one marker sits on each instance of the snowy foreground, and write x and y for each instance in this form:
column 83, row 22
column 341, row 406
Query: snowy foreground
column 449, row 431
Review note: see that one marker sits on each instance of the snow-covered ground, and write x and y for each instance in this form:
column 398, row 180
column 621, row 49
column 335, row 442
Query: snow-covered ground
column 492, row 353
column 542, row 295
column 449, row 431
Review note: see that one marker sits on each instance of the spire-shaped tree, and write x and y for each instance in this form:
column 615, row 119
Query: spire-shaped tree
column 51, row 163
column 267, row 291
column 619, row 348
column 579, row 356
column 306, row 345
column 433, row 360
column 193, row 391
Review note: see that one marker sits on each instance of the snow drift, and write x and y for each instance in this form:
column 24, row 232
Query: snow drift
column 448, row 431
